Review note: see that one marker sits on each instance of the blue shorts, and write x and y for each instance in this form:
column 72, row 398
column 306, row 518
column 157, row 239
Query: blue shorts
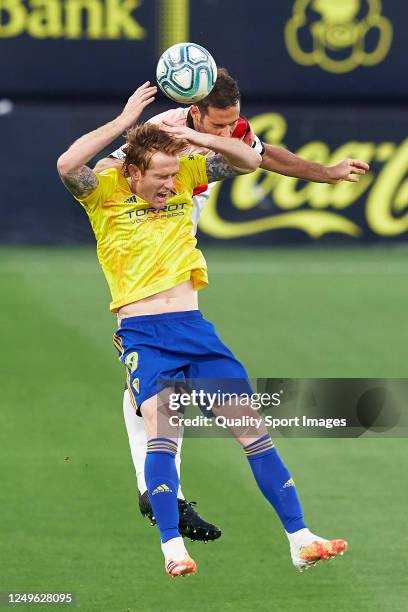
column 177, row 346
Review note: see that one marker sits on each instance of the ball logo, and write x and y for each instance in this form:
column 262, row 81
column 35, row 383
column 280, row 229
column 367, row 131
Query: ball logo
column 186, row 72
column 338, row 36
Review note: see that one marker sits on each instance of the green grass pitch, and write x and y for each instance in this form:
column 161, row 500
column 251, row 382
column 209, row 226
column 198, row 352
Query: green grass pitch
column 68, row 514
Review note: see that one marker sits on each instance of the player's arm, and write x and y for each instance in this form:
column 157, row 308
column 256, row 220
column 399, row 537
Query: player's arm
column 234, row 157
column 218, row 168
column 282, row 161
column 72, row 168
column 116, row 158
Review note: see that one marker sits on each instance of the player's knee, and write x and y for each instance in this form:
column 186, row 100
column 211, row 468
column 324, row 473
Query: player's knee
column 156, row 416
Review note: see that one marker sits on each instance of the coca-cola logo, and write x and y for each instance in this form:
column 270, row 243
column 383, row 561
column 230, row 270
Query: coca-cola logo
column 264, row 201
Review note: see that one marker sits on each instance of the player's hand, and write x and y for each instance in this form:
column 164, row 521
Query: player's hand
column 143, row 96
column 185, row 133
column 347, row 170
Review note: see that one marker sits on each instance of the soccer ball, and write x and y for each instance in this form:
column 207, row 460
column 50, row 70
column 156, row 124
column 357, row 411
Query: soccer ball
column 186, row 73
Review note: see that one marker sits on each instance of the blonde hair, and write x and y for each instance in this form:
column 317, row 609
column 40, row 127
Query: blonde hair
column 142, row 141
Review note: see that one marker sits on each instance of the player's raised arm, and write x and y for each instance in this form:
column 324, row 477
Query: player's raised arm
column 235, row 156
column 282, row 161
column 76, row 176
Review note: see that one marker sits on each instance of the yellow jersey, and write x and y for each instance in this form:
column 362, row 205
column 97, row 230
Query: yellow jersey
column 143, row 251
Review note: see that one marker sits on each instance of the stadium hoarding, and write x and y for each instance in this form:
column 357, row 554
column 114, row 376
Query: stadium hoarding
column 273, row 208
column 312, row 48
column 262, row 207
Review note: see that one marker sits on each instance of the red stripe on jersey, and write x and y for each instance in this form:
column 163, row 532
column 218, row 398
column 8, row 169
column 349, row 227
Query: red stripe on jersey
column 200, row 189
column 241, row 129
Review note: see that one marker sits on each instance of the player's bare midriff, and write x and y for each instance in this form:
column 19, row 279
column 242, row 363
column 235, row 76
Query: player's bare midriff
column 179, row 298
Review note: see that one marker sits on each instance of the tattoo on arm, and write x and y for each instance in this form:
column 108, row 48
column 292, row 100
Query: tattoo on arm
column 218, row 169
column 80, row 182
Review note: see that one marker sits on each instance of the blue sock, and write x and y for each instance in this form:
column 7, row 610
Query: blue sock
column 275, row 482
column 162, row 484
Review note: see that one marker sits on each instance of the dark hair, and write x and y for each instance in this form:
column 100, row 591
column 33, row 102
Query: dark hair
column 225, row 93
column 142, row 141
